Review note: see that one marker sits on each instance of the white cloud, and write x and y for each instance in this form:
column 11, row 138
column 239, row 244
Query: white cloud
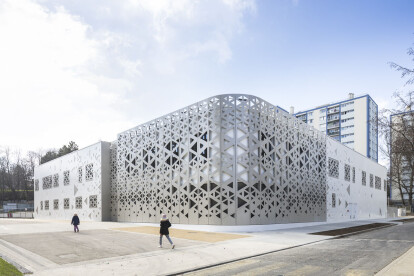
column 86, row 71
column 49, row 92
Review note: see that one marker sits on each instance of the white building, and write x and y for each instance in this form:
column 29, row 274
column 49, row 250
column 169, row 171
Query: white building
column 228, row 160
column 78, row 182
column 353, row 122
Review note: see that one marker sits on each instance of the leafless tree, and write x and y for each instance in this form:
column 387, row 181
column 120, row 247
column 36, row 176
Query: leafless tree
column 405, row 71
column 16, row 175
column 397, row 129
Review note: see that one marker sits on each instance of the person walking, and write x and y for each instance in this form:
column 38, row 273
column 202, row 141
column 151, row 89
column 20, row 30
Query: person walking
column 164, row 225
column 75, row 222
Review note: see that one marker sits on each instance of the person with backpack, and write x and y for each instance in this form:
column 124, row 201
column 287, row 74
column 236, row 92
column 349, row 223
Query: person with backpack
column 164, row 225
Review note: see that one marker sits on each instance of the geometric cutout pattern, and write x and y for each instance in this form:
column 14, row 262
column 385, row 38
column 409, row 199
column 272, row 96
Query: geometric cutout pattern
column 78, row 202
column 80, row 174
column 37, row 185
column 371, row 180
column 93, row 201
column 66, row 179
column 333, row 200
column 347, row 172
column 114, row 194
column 377, row 183
column 47, row 182
column 66, row 203
column 56, row 204
column 56, row 180
column 230, row 159
column 93, row 159
column 89, row 172
column 353, row 174
column 364, row 178
column 353, row 202
column 333, row 166
column 46, row 204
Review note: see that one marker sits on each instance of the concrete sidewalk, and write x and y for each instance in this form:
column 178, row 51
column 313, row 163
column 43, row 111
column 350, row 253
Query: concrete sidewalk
column 403, row 266
column 110, row 248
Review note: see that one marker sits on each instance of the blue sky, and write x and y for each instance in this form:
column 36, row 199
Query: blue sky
column 85, row 71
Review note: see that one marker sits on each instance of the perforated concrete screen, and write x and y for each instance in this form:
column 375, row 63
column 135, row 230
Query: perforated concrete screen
column 230, row 159
column 227, row 160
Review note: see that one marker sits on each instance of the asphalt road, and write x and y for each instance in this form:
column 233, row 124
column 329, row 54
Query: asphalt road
column 362, row 254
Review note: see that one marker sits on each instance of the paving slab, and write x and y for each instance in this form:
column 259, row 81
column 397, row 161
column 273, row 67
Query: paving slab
column 69, row 247
column 112, row 248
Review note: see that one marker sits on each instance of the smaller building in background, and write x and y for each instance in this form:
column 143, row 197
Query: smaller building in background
column 353, row 122
column 78, row 182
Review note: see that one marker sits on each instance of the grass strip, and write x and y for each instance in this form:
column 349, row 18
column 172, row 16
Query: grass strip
column 7, row 269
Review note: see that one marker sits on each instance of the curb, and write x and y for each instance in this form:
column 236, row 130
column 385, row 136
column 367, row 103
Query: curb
column 18, row 266
column 274, row 251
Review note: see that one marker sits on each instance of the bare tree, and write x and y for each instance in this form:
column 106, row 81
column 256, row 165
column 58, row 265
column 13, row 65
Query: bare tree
column 16, row 175
column 405, row 71
column 397, row 129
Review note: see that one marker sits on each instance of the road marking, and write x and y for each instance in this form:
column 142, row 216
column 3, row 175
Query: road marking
column 224, row 267
column 261, row 270
column 307, row 269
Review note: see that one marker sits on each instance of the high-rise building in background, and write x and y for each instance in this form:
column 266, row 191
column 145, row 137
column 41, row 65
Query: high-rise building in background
column 353, row 122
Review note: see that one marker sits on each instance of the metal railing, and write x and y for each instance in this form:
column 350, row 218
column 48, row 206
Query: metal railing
column 17, row 214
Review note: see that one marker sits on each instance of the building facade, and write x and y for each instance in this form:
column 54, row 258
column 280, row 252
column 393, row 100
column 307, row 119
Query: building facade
column 234, row 160
column 353, row 122
column 78, row 182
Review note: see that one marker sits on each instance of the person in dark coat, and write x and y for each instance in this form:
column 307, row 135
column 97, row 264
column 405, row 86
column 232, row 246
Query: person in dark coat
column 75, row 222
column 164, row 225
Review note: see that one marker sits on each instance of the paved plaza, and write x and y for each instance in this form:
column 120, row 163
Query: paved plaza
column 109, row 248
